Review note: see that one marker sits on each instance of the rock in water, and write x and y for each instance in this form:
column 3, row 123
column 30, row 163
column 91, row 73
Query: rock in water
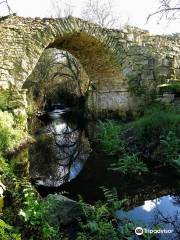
column 63, row 210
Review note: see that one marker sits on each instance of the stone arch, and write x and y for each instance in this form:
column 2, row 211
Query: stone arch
column 92, row 45
column 113, row 59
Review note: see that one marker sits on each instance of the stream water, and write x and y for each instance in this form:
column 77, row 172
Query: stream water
column 59, row 154
column 65, row 159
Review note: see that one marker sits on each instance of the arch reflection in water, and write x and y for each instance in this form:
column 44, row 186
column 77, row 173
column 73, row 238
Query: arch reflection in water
column 163, row 212
column 59, row 153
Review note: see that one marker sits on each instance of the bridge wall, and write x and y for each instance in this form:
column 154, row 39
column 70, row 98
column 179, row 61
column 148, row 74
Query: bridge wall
column 121, row 64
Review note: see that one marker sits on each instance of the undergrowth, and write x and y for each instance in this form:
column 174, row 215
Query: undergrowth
column 11, row 134
column 153, row 138
column 102, row 223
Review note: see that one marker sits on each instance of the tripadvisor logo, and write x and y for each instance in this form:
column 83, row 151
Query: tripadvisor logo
column 139, row 231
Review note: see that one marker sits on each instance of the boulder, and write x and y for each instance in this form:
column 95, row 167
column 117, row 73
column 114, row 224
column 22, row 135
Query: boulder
column 63, row 211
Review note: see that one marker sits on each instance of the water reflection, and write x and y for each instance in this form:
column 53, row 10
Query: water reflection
column 149, row 205
column 59, row 154
column 176, row 200
column 169, row 220
column 163, row 212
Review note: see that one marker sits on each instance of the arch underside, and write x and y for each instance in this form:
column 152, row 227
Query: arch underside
column 95, row 58
column 109, row 87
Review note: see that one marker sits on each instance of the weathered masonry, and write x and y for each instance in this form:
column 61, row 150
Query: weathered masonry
column 115, row 60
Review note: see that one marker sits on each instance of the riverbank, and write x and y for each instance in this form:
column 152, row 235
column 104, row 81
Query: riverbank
column 126, row 155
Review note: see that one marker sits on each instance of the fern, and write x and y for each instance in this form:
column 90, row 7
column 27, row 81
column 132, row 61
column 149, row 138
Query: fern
column 112, row 200
column 109, row 137
column 110, row 195
column 129, row 164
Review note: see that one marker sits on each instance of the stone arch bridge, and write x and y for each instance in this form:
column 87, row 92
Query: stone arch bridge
column 116, row 61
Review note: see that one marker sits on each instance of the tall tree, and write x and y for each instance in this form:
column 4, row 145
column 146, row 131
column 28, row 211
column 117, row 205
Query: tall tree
column 61, row 9
column 5, row 4
column 101, row 12
column 168, row 9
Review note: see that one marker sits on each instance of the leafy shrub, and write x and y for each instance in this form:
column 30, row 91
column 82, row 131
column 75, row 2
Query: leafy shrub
column 151, row 131
column 109, row 136
column 3, row 166
column 176, row 163
column 152, row 126
column 34, row 215
column 20, row 121
column 101, row 222
column 10, row 136
column 129, row 164
column 8, row 232
column 32, row 105
column 171, row 149
column 170, row 87
column 154, row 137
column 6, row 173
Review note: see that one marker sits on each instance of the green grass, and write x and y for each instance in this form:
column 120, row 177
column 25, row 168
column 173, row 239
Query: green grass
column 154, row 124
column 157, row 134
